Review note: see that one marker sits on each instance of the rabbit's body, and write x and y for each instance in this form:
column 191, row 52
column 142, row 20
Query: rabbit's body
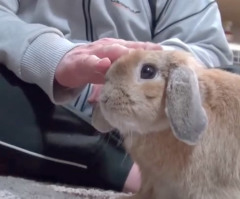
column 178, row 171
column 172, row 169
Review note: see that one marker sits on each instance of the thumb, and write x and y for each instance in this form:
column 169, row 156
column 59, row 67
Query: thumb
column 99, row 71
column 96, row 90
column 103, row 65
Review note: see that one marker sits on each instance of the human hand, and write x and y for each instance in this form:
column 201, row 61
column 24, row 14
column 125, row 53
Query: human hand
column 96, row 90
column 89, row 63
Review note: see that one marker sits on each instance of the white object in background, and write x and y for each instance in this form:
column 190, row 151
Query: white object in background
column 228, row 30
column 236, row 53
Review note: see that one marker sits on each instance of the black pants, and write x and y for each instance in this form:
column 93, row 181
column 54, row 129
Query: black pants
column 47, row 142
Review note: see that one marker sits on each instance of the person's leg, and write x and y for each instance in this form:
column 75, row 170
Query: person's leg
column 48, row 142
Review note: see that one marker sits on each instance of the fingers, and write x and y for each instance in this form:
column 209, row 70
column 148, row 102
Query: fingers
column 143, row 45
column 77, row 71
column 92, row 69
column 93, row 61
column 130, row 44
column 103, row 65
column 152, row 46
column 89, row 63
column 115, row 48
column 113, row 52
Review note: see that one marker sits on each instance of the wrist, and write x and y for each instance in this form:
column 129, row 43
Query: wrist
column 40, row 60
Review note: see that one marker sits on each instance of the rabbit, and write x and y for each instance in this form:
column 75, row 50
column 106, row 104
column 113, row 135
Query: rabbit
column 180, row 122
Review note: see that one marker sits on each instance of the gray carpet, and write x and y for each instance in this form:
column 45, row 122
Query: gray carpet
column 17, row 188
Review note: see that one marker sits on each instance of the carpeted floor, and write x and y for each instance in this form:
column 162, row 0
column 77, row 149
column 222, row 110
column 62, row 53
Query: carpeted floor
column 17, row 188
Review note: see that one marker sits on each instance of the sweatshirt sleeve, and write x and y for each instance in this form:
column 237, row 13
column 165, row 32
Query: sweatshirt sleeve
column 32, row 51
column 193, row 26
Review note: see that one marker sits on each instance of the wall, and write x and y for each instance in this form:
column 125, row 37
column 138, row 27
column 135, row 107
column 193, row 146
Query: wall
column 230, row 10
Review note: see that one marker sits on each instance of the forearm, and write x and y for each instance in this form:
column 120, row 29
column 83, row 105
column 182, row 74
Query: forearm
column 32, row 51
column 196, row 29
column 39, row 64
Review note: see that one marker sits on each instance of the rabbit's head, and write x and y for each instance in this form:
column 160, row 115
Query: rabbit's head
column 151, row 91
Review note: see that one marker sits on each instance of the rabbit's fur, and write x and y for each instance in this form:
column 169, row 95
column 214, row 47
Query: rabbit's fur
column 203, row 166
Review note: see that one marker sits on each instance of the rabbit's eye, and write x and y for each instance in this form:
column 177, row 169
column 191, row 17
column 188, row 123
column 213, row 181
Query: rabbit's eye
column 148, row 71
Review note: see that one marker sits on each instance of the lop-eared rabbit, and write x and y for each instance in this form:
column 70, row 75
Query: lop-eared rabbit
column 180, row 122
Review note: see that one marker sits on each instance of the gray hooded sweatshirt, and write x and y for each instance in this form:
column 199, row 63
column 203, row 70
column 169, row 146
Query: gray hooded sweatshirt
column 36, row 34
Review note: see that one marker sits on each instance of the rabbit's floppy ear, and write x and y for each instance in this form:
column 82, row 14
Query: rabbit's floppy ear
column 98, row 120
column 184, row 110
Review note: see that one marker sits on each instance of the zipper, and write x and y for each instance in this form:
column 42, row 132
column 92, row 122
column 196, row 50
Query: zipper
column 90, row 20
column 85, row 18
column 86, row 6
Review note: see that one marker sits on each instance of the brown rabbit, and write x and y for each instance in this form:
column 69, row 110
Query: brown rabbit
column 180, row 122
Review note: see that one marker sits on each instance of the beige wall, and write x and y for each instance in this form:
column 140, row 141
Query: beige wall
column 230, row 10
